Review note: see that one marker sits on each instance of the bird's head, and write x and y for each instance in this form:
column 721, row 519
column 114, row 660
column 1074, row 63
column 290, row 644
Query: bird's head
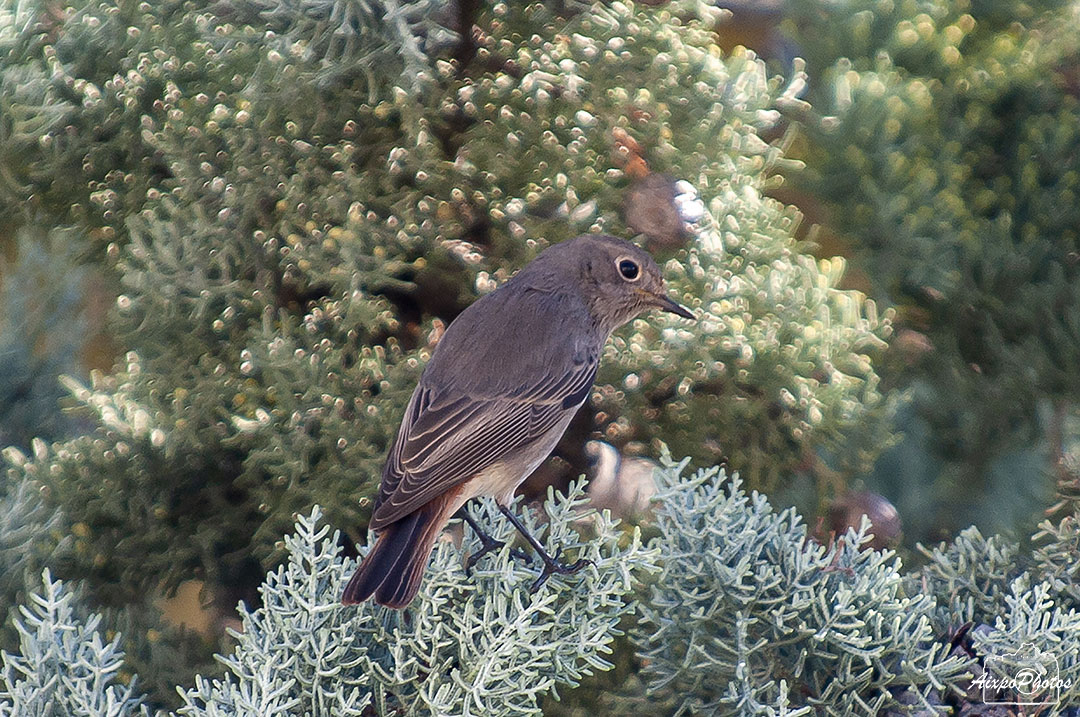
column 618, row 280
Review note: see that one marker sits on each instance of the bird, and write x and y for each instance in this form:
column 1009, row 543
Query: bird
column 500, row 388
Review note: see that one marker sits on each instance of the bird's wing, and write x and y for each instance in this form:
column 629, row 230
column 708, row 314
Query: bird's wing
column 450, row 435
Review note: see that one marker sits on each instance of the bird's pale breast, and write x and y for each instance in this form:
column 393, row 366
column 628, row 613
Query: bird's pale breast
column 502, row 478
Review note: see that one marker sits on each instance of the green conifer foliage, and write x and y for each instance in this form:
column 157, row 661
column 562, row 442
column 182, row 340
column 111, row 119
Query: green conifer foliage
column 778, row 363
column 947, row 137
column 241, row 371
column 42, row 332
column 292, row 202
column 293, row 197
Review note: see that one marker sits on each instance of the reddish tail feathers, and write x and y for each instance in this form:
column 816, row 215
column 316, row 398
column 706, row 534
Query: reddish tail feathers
column 393, row 570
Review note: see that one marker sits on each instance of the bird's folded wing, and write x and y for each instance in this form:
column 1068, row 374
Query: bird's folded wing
column 448, row 437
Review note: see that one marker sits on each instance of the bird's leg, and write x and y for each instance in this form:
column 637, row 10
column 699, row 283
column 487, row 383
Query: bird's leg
column 487, row 543
column 551, row 564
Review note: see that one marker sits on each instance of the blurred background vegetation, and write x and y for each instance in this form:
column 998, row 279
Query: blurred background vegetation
column 943, row 148
column 249, row 220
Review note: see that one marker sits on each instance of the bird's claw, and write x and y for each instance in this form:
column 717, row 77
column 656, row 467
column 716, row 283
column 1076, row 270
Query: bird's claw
column 552, row 566
column 487, row 545
column 490, row 545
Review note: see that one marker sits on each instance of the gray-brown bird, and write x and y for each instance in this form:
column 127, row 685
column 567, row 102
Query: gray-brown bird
column 501, row 387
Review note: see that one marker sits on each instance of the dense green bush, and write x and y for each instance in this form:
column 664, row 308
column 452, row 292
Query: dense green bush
column 946, row 138
column 288, row 228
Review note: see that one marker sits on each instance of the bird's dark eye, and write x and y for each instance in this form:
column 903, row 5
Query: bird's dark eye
column 629, row 269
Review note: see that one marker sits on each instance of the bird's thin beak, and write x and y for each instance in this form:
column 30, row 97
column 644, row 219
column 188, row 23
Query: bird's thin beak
column 666, row 304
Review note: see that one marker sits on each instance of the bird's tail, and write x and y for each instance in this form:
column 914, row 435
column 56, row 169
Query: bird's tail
column 393, row 570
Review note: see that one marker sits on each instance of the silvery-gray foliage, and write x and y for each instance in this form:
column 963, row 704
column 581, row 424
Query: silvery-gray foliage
column 468, row 645
column 475, row 645
column 1011, row 604
column 1032, row 628
column 64, row 666
column 972, row 573
column 750, row 614
column 745, row 614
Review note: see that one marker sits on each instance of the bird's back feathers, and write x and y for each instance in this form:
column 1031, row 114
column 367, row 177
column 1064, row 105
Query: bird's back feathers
column 463, row 419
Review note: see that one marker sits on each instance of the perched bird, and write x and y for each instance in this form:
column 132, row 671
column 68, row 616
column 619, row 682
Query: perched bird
column 501, row 386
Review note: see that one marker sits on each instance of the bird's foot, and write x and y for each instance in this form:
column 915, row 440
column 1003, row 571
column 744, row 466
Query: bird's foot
column 552, row 566
column 489, row 544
